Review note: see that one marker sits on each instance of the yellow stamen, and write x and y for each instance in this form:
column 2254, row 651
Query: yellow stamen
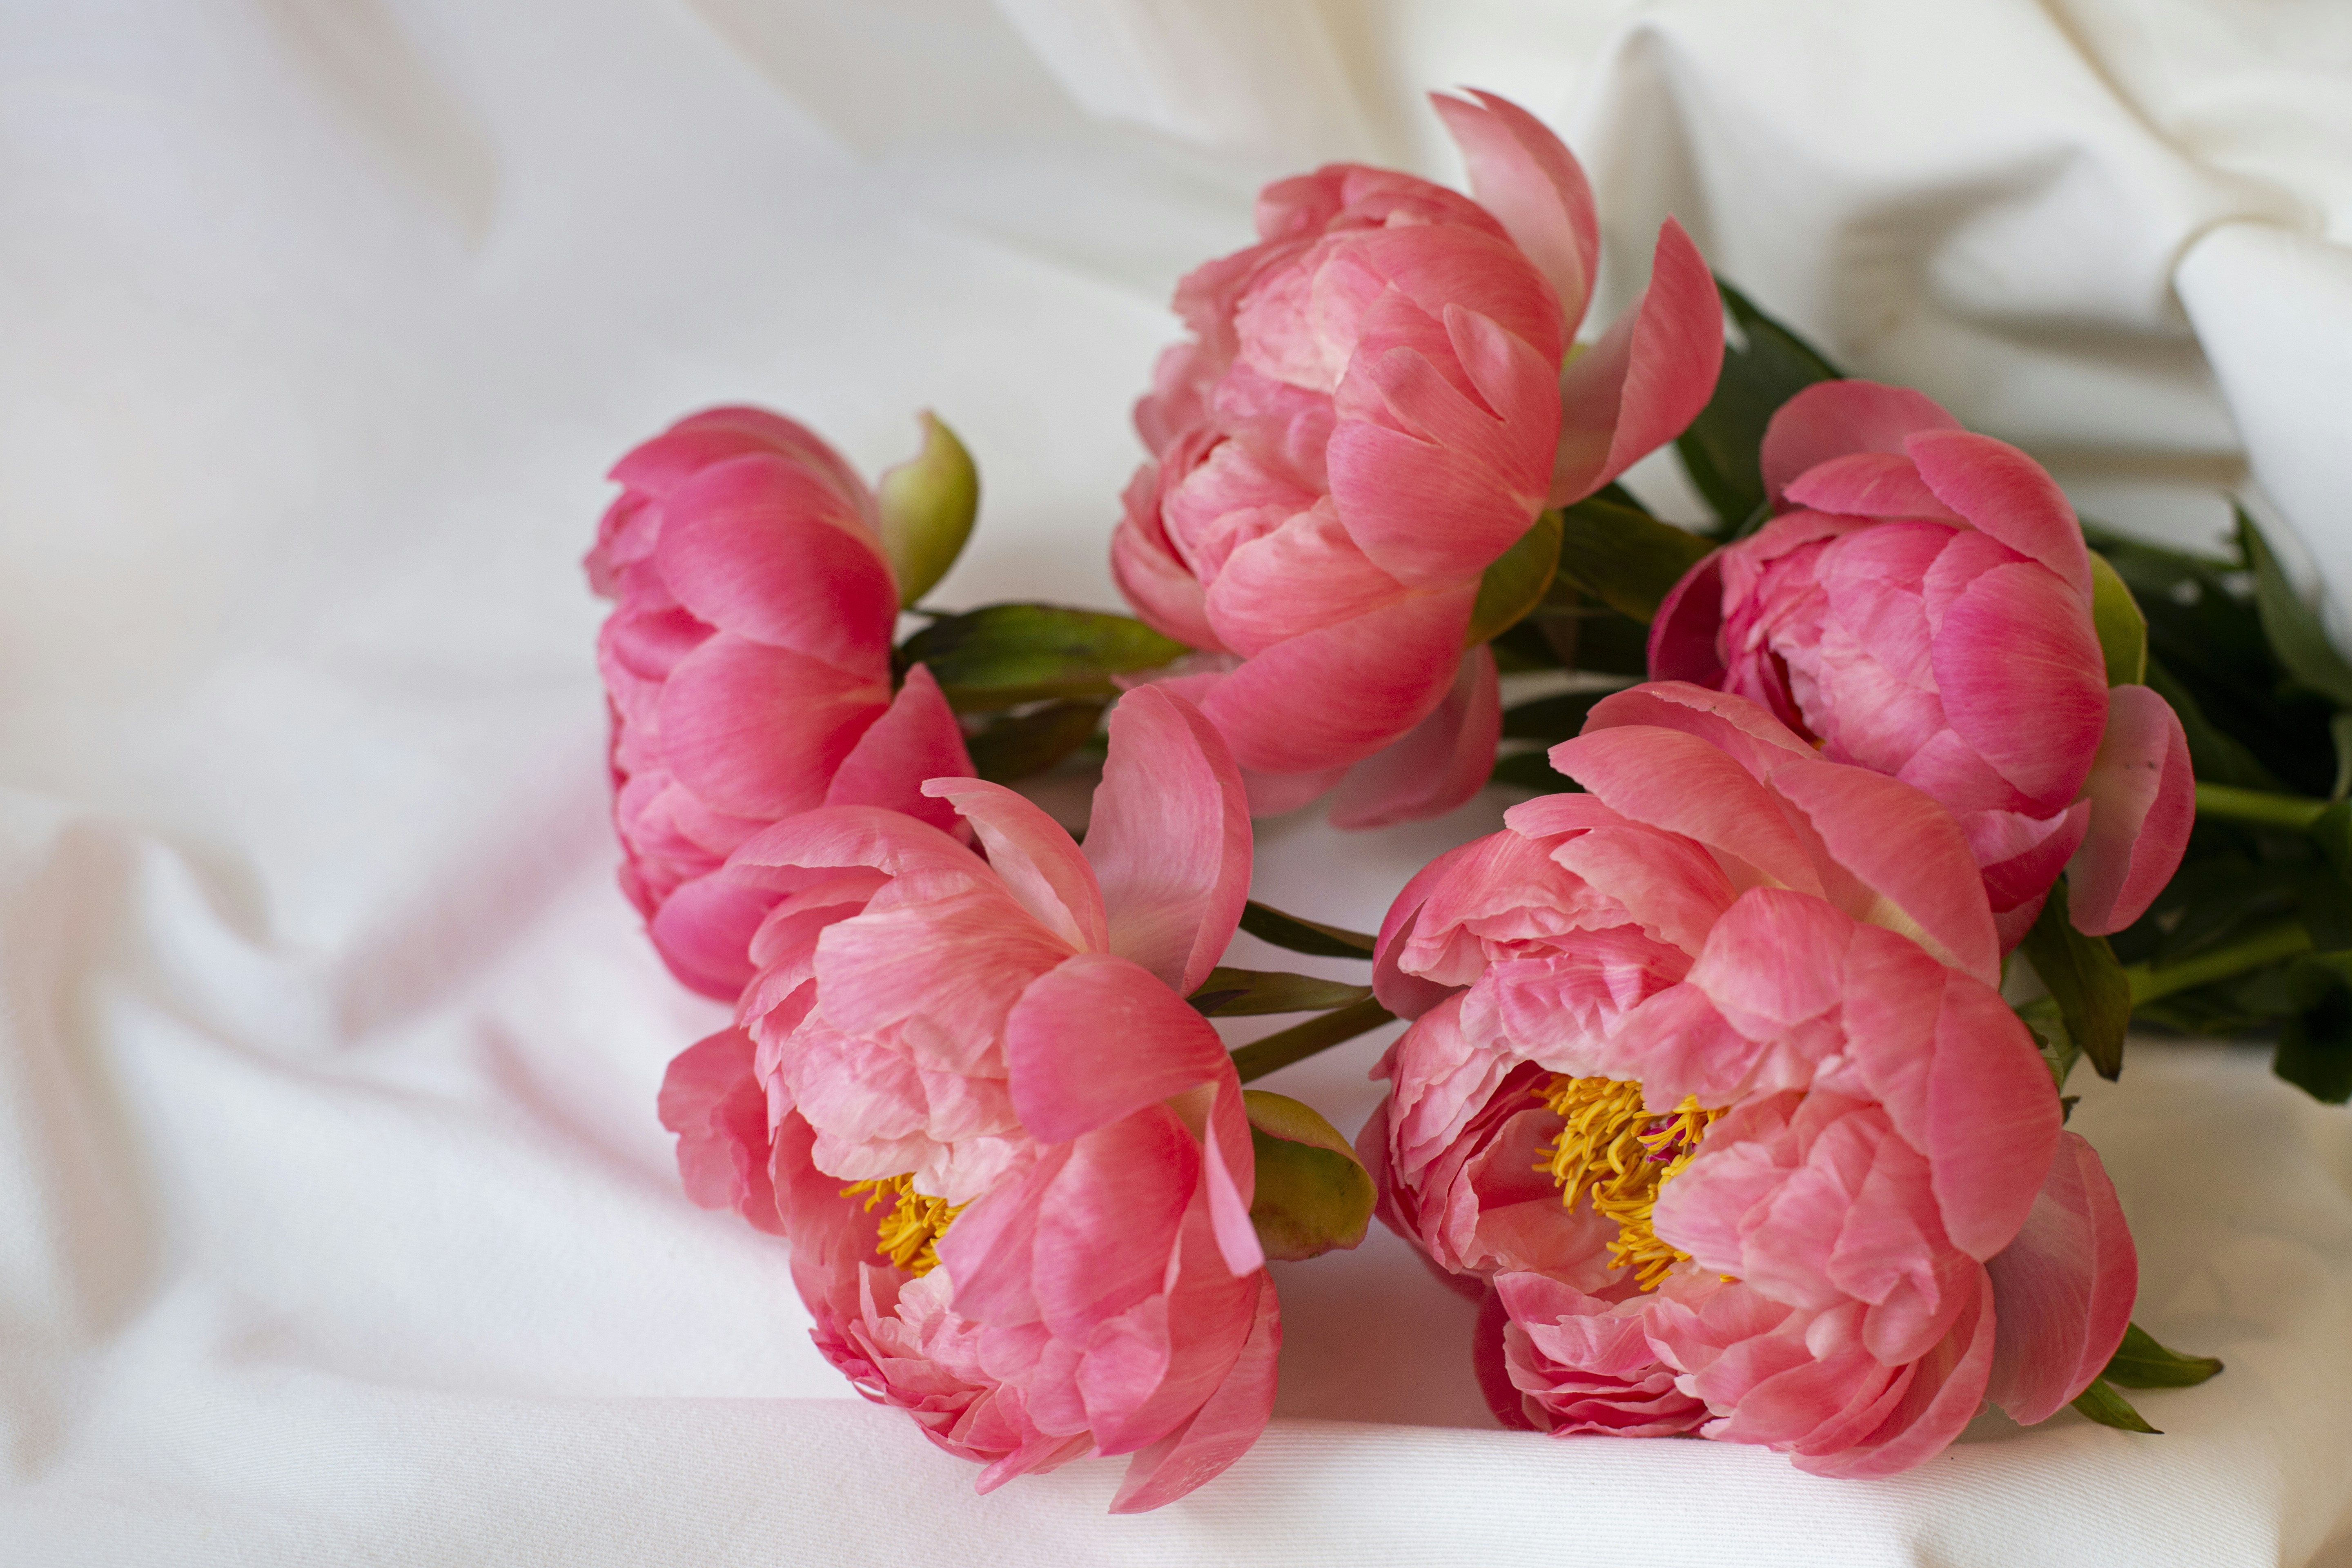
column 1622, row 1153
column 909, row 1234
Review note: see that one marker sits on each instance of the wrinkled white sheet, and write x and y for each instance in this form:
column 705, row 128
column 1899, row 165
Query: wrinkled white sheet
column 335, row 1226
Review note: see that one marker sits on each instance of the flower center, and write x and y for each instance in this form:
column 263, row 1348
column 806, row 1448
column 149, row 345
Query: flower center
column 1622, row 1154
column 910, row 1231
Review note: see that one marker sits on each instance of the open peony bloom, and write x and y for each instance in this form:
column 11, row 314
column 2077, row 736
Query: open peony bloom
column 1922, row 607
column 999, row 1051
column 747, row 662
column 1370, row 411
column 1708, row 1082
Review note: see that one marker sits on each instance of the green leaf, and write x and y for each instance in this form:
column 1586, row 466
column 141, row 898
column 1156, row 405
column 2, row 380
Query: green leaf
column 2123, row 630
column 1624, row 557
column 927, row 504
column 1580, row 633
column 1299, row 1041
column 1312, row 1197
column 2339, row 729
column 2212, row 754
column 2093, row 994
column 1516, row 582
column 1312, row 937
column 2141, row 1362
column 1764, row 365
column 1001, row 655
column 1242, row 993
column 2205, row 629
column 1020, row 744
column 2102, row 1404
column 2059, row 1051
column 2296, row 634
column 1533, row 770
column 2333, row 833
column 2314, row 1047
column 1550, row 719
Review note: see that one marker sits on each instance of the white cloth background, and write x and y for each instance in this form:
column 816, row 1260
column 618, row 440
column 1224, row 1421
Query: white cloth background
column 335, row 1226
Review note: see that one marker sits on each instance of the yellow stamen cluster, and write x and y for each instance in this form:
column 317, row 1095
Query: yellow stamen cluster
column 1622, row 1153
column 909, row 1234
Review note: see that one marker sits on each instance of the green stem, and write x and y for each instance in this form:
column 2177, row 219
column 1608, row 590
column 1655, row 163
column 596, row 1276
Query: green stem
column 2268, row 945
column 2294, row 811
column 1300, row 1041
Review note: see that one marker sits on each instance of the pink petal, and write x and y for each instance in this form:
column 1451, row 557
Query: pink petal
column 1522, row 173
column 1677, row 782
column 1406, row 995
column 698, row 441
column 1439, row 764
column 2143, row 804
column 1488, row 1365
column 1868, row 484
column 1646, row 379
column 2022, row 680
column 757, row 730
column 1040, row 865
column 1832, row 418
column 1272, row 794
column 1228, row 1422
column 1906, row 863
column 763, row 548
column 1774, row 960
column 1109, row 1223
column 719, row 1112
column 1169, row 838
column 2063, row 1288
column 703, row 933
column 2027, row 873
column 1340, row 694
column 1097, row 1038
column 1946, row 1389
column 1429, row 515
column 1228, row 1161
column 1961, row 1082
column 2005, row 494
column 1733, row 725
column 1684, row 636
column 839, row 835
column 1164, row 592
column 1304, row 574
column 916, row 738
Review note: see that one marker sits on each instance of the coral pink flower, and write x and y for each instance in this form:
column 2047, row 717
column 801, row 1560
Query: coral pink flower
column 1371, row 410
column 1922, row 606
column 1001, row 1046
column 1710, row 1059
column 747, row 666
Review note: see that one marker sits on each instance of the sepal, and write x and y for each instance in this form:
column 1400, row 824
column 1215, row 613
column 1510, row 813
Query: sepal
column 1313, row 1196
column 927, row 504
column 2122, row 629
column 1247, row 993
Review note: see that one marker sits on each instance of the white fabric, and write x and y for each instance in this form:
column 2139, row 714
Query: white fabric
column 335, row 1225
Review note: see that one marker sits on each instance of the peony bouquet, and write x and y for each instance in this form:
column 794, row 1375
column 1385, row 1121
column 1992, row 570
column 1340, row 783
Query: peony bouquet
column 1730, row 1084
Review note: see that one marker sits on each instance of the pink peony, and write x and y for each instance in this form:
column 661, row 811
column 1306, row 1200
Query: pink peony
column 1371, row 410
column 1710, row 1059
column 1001, row 1048
column 1922, row 606
column 747, row 663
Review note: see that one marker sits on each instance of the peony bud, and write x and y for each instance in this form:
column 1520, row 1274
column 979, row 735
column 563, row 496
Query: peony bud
column 928, row 504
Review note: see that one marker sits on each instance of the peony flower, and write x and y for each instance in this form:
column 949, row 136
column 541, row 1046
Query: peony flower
column 1922, row 607
column 1000, row 1049
column 1710, row 1059
column 1372, row 410
column 747, row 664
